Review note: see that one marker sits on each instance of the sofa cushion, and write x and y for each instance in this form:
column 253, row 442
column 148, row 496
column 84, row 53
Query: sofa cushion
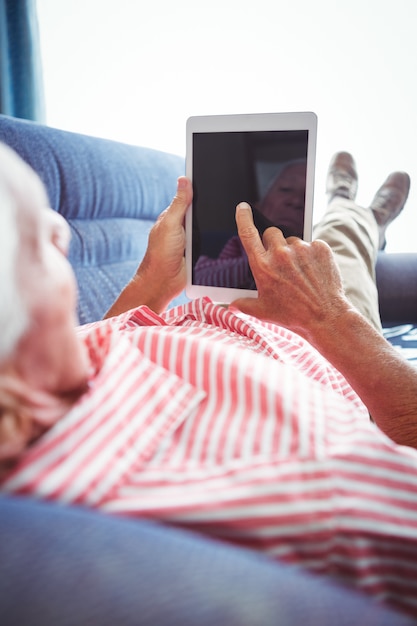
column 104, row 254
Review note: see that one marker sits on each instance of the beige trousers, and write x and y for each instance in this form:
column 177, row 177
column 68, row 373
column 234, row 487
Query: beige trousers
column 352, row 233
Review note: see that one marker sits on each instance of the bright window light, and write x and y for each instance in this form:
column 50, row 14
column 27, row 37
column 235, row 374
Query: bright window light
column 134, row 71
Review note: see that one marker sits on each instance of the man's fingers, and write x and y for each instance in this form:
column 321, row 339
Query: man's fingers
column 274, row 236
column 248, row 233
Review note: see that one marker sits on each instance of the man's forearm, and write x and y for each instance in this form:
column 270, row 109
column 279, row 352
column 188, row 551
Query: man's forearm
column 140, row 292
column 386, row 383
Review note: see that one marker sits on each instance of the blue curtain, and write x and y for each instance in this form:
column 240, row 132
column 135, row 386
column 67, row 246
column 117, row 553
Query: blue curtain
column 21, row 85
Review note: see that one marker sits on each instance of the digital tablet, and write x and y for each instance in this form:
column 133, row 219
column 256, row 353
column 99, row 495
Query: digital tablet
column 266, row 160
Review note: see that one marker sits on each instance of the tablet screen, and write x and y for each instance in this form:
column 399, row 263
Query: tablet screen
column 267, row 169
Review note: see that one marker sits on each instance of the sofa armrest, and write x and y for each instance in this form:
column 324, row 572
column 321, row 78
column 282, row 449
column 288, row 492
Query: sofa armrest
column 90, row 178
column 110, row 193
column 66, row 565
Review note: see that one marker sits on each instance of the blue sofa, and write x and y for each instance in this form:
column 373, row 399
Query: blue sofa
column 67, row 566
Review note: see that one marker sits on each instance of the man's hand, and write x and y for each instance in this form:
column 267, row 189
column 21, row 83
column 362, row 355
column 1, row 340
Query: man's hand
column 299, row 285
column 164, row 264
column 161, row 275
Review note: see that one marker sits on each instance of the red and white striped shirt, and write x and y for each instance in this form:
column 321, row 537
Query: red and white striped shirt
column 218, row 422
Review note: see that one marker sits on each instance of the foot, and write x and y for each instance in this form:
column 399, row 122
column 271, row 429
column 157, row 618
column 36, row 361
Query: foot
column 342, row 177
column 389, row 202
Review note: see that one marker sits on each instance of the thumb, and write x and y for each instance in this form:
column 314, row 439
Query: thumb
column 182, row 199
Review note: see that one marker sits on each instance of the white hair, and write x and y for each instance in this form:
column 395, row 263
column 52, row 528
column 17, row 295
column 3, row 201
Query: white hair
column 14, row 319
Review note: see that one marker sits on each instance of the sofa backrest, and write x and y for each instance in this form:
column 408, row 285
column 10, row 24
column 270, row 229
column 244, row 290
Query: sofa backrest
column 110, row 193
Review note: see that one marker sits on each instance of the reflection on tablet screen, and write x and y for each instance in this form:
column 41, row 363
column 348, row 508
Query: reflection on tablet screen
column 267, row 169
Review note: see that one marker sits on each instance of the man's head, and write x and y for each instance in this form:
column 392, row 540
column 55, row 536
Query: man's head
column 40, row 355
column 284, row 202
column 34, row 242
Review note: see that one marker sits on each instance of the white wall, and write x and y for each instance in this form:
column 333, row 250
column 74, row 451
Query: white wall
column 134, row 70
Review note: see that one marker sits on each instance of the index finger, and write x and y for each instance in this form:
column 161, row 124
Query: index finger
column 247, row 231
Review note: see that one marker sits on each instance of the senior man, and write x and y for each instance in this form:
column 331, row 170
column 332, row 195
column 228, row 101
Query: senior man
column 249, row 424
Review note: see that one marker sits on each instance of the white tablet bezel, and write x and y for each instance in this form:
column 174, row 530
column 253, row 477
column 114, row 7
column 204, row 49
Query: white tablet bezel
column 250, row 122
